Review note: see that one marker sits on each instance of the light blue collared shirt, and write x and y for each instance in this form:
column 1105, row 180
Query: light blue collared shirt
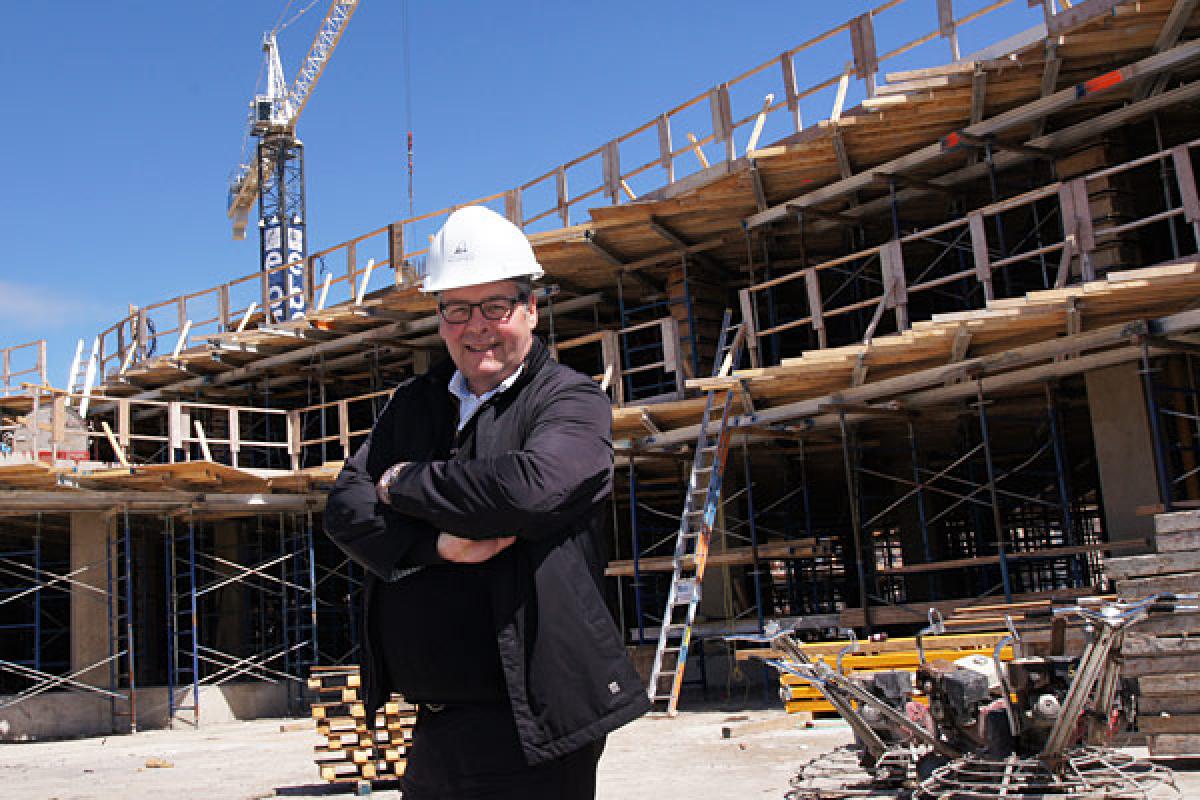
column 468, row 402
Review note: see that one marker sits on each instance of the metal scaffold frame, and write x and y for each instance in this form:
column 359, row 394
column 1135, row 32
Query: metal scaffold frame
column 39, row 584
column 273, row 581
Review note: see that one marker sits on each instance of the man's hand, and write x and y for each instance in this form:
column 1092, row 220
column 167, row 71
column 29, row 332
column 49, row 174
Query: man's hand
column 470, row 551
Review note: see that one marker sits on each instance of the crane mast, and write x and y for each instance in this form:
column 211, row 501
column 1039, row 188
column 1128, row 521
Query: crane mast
column 275, row 177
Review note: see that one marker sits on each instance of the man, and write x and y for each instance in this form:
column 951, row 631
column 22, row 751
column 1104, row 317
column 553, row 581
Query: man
column 477, row 505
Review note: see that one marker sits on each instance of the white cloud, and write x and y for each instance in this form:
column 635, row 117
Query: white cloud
column 30, row 306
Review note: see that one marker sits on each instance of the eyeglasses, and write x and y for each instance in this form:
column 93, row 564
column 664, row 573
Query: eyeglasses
column 496, row 309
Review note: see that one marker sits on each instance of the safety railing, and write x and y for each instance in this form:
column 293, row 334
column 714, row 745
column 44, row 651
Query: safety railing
column 768, row 100
column 20, row 364
column 339, row 426
column 973, row 249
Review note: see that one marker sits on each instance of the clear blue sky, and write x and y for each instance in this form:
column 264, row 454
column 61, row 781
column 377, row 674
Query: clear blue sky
column 123, row 119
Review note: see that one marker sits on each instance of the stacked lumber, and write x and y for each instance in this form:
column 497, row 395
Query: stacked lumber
column 1163, row 653
column 354, row 750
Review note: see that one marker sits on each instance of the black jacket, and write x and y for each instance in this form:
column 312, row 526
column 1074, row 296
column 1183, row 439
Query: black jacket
column 542, row 470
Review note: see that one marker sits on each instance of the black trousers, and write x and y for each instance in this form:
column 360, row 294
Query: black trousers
column 472, row 753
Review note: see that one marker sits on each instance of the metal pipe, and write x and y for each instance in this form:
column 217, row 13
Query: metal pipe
column 757, row 566
column 1161, row 463
column 637, row 552
column 991, row 473
column 855, row 522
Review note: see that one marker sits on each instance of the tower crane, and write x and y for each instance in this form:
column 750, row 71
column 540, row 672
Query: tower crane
column 275, row 177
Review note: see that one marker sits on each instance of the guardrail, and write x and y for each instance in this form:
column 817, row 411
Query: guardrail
column 766, row 100
column 978, row 254
column 22, row 363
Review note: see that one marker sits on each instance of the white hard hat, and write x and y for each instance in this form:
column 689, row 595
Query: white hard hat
column 476, row 245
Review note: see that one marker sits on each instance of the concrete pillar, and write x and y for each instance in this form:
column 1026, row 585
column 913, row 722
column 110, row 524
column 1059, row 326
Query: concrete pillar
column 1124, row 450
column 229, row 636
column 90, row 628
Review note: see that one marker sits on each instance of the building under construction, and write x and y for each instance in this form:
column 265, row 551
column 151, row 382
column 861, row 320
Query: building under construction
column 936, row 347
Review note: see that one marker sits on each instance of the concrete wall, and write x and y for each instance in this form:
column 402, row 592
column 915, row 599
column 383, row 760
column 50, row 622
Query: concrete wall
column 62, row 715
column 90, row 631
column 1124, row 449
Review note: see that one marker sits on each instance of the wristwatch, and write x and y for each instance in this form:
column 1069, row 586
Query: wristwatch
column 386, row 479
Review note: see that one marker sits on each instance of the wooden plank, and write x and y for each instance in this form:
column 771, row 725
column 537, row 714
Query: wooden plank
column 665, row 158
column 1169, row 704
column 979, row 246
column 1177, row 521
column 1173, row 744
column 1151, row 565
column 1140, row 645
column 1173, row 722
column 1141, row 587
column 1170, row 684
column 788, row 68
column 1181, row 542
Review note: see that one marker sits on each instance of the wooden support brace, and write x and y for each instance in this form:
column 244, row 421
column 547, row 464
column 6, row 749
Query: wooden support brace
column 961, row 343
column 118, row 451
column 203, row 440
column 839, row 150
column 839, row 99
column 235, row 435
column 722, row 119
column 343, row 412
column 513, row 209
column 788, row 68
column 760, row 194
column 862, row 43
column 293, row 438
column 610, row 158
column 1064, row 261
column 181, row 342
column 895, row 281
column 362, row 287
column 223, row 306
column 673, row 362
column 610, row 353
column 749, row 319
column 979, row 246
column 947, row 28
column 250, row 309
column 698, row 150
column 664, row 147
column 978, row 95
column 174, row 431
column 324, row 292
column 396, row 252
column 759, row 122
column 563, row 198
column 1185, row 175
column 812, row 286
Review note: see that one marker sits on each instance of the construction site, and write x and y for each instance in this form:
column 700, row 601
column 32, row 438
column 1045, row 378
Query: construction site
column 925, row 363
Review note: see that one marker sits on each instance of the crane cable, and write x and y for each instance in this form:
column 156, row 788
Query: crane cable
column 408, row 100
column 280, row 25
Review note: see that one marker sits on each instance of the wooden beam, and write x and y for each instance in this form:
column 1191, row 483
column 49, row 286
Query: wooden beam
column 1014, row 118
column 1168, row 37
column 978, row 95
column 839, row 150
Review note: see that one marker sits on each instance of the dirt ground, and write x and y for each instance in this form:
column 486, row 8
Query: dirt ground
column 686, row 757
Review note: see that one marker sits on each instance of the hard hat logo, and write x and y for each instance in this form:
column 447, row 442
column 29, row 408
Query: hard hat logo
column 476, row 246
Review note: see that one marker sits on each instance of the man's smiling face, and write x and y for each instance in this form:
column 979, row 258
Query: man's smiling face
column 487, row 351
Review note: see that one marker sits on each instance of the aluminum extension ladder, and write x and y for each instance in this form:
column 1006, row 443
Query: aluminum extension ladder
column 695, row 527
column 82, row 379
